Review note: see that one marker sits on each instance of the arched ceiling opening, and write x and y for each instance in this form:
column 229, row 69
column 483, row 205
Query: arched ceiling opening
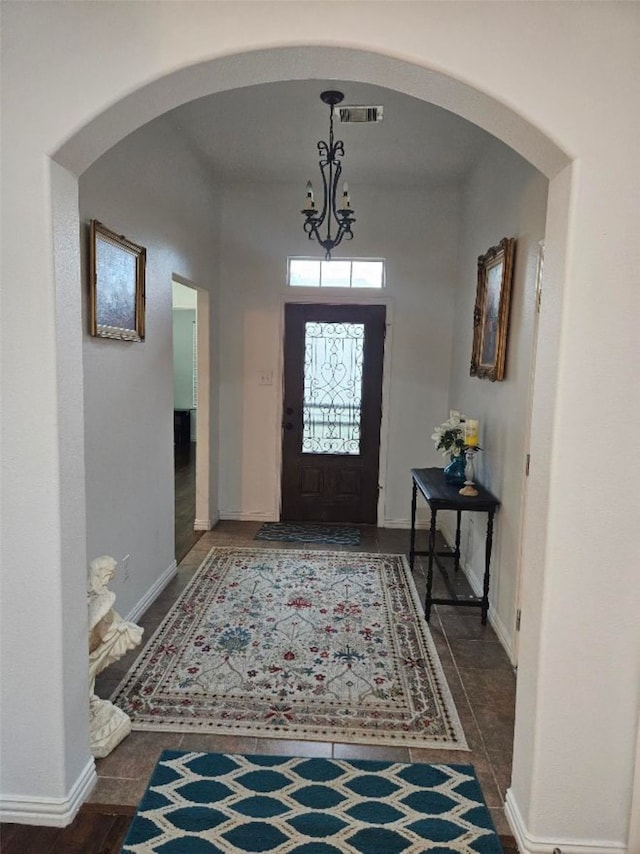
column 302, row 73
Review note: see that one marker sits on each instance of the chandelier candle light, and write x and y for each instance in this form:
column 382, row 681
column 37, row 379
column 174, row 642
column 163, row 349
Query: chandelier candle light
column 471, row 448
column 338, row 219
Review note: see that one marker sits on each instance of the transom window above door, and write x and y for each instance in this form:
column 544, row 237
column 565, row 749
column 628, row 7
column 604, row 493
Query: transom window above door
column 337, row 273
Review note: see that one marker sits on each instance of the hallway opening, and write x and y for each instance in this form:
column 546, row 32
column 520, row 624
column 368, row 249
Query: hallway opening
column 185, row 408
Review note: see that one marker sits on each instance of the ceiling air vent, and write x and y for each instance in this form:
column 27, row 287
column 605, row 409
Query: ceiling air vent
column 360, row 114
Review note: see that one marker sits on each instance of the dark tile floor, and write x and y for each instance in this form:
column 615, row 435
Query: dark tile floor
column 477, row 669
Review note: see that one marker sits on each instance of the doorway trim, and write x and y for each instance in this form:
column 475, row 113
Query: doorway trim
column 202, row 521
column 515, row 646
column 316, row 296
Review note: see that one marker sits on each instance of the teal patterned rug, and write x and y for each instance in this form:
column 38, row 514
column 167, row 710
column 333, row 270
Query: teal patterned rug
column 288, row 532
column 313, row 645
column 203, row 803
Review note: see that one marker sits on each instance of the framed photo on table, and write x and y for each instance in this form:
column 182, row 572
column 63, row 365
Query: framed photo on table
column 491, row 312
column 116, row 285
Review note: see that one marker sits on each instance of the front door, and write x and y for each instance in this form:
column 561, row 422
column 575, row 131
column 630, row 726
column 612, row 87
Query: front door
column 333, row 357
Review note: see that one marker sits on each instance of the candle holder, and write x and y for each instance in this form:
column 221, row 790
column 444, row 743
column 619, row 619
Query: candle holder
column 469, row 489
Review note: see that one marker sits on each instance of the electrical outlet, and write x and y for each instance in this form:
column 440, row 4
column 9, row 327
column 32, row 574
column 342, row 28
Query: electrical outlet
column 125, row 567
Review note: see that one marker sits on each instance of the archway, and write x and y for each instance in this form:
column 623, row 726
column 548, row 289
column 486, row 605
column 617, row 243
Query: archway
column 551, row 63
column 273, row 65
column 322, row 63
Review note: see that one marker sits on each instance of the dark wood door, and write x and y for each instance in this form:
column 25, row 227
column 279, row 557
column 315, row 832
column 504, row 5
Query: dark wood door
column 332, row 408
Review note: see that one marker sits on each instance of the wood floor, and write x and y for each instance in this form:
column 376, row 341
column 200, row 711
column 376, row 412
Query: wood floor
column 96, row 830
column 185, row 499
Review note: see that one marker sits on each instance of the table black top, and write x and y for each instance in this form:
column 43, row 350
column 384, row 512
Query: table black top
column 443, row 495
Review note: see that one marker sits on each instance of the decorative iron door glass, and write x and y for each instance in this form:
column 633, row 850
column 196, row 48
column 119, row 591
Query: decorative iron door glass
column 332, row 408
column 333, row 356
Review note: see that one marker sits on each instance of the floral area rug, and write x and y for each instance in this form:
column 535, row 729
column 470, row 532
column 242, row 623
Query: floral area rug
column 212, row 802
column 328, row 646
column 309, row 533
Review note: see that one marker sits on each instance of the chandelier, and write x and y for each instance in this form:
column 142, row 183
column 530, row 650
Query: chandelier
column 338, row 219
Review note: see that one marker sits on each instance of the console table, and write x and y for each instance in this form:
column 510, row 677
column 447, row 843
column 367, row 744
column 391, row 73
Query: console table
column 442, row 495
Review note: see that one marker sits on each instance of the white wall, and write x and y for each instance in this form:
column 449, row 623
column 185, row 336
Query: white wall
column 149, row 188
column 560, row 89
column 184, row 321
column 183, row 296
column 417, row 232
column 505, row 197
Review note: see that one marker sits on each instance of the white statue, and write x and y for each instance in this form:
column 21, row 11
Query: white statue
column 110, row 637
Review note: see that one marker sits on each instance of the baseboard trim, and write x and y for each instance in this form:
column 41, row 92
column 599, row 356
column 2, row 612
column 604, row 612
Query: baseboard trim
column 528, row 844
column 51, row 812
column 514, row 819
column 233, row 516
column 494, row 618
column 240, row 516
column 421, row 524
column 202, row 525
column 152, row 593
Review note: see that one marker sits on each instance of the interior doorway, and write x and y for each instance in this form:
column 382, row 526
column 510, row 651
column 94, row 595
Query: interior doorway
column 523, row 506
column 186, row 387
column 332, row 410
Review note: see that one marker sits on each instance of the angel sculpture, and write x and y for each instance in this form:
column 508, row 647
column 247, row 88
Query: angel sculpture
column 110, row 637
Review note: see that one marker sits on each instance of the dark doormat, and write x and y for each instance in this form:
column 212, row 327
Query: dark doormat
column 340, row 535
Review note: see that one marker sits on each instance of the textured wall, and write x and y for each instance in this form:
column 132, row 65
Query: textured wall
column 260, row 228
column 560, row 79
column 505, row 197
column 137, row 190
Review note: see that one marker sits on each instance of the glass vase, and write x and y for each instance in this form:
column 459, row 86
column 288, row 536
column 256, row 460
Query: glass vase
column 454, row 470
